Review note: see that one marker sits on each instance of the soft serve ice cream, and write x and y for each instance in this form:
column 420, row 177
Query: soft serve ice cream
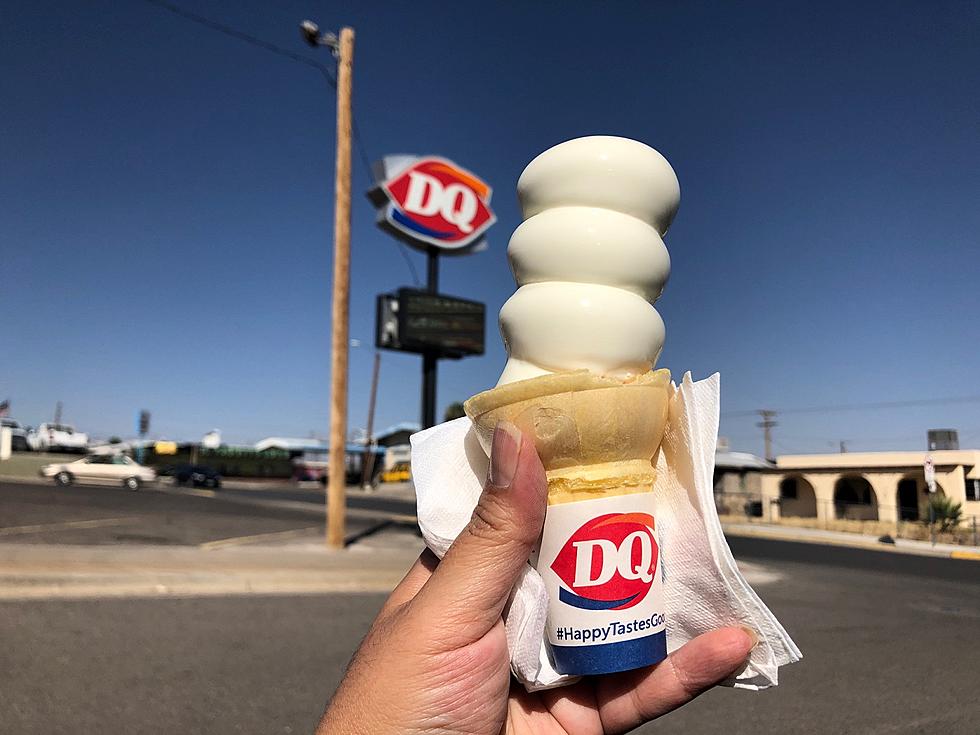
column 589, row 260
column 582, row 338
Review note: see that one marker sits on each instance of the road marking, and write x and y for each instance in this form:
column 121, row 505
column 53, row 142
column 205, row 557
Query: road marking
column 758, row 574
column 242, row 540
column 189, row 491
column 41, row 527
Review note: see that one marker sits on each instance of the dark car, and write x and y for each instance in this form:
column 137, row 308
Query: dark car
column 192, row 474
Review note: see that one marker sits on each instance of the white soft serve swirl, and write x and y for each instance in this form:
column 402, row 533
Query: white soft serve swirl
column 589, row 260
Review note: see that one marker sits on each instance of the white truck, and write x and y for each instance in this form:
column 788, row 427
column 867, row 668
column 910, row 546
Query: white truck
column 57, row 438
column 18, row 435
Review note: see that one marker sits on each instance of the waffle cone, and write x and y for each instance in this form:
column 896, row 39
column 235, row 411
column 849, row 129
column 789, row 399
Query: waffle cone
column 595, row 435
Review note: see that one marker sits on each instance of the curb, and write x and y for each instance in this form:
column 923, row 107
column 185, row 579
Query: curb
column 82, row 585
column 292, row 505
column 857, row 543
column 970, row 555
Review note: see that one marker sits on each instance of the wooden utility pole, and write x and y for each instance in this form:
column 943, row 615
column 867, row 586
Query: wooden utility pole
column 337, row 485
column 767, row 425
column 368, row 464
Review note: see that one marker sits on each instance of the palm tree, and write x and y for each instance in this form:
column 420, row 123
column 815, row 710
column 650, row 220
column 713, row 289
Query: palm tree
column 454, row 411
column 945, row 512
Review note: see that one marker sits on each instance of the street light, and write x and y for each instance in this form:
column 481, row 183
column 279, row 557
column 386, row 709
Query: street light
column 312, row 35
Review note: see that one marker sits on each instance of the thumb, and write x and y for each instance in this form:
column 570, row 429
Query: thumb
column 472, row 583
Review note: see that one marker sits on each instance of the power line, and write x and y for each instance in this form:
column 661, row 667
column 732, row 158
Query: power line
column 861, row 406
column 243, row 36
column 408, row 261
column 273, row 48
column 366, row 160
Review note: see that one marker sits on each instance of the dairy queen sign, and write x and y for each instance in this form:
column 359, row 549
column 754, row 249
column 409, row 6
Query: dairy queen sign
column 432, row 202
column 440, row 208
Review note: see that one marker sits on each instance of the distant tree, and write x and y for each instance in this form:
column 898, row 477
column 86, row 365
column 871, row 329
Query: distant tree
column 115, row 440
column 945, row 512
column 454, row 411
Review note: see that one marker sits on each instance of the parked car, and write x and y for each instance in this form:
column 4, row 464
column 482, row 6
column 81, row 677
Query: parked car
column 57, row 438
column 18, row 435
column 100, row 468
column 192, row 474
column 401, row 472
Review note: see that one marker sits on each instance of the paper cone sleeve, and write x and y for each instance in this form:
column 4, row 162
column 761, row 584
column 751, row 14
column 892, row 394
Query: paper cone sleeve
column 595, row 435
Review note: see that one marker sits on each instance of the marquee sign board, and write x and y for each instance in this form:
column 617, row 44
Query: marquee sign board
column 421, row 322
column 432, row 202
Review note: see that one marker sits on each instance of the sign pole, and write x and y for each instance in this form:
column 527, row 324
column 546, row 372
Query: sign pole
column 434, row 205
column 430, row 357
column 367, row 462
column 929, row 467
column 337, row 465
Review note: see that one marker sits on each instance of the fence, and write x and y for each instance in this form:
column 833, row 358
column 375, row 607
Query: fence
column 864, row 518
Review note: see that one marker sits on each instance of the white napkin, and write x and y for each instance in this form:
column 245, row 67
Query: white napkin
column 703, row 587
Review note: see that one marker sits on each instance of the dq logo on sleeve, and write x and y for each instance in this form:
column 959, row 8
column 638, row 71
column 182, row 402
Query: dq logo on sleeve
column 609, row 563
column 436, row 201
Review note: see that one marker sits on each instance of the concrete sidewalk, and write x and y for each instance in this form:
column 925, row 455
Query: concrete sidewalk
column 292, row 562
column 853, row 540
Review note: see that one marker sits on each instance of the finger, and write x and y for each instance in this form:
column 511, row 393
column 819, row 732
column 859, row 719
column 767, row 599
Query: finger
column 411, row 583
column 630, row 699
column 469, row 588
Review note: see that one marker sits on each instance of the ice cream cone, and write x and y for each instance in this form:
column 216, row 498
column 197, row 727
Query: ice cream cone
column 596, row 435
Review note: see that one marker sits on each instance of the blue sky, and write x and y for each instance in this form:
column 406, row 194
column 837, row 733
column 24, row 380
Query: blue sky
column 166, row 201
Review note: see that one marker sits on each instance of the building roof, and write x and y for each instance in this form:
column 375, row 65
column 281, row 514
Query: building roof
column 291, row 444
column 409, row 426
column 941, row 457
column 740, row 461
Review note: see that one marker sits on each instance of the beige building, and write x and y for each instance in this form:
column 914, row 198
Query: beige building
column 738, row 481
column 885, row 486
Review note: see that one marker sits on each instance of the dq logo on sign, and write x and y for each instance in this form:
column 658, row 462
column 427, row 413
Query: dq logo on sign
column 609, row 563
column 439, row 203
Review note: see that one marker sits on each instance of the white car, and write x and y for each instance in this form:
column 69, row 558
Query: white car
column 55, row 437
column 101, row 468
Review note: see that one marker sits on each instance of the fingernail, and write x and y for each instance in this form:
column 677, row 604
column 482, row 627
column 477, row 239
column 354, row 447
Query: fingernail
column 505, row 450
column 752, row 635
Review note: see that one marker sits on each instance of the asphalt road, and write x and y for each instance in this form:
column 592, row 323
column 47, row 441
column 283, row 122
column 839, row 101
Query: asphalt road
column 89, row 514
column 889, row 644
column 381, row 503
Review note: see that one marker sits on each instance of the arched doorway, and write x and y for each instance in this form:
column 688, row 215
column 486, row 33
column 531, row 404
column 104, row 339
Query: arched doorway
column 797, row 498
column 912, row 497
column 908, row 499
column 854, row 499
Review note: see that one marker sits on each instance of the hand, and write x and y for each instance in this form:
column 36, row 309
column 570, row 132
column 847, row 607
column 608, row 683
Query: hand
column 435, row 660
